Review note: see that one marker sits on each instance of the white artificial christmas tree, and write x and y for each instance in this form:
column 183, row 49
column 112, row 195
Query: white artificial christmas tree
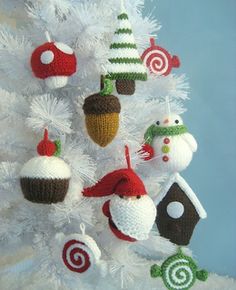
column 35, row 238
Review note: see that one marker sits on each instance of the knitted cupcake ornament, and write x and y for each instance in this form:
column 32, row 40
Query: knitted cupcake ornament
column 45, row 179
column 125, row 65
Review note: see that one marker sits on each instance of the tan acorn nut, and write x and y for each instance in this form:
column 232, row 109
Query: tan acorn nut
column 102, row 117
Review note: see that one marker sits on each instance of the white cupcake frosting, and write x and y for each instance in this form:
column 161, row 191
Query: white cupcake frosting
column 46, row 167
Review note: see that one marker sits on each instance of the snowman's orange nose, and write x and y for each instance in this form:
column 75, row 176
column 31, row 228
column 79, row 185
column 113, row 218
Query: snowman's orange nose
column 166, row 121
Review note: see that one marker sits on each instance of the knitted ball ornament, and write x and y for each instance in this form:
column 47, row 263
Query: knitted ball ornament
column 80, row 252
column 128, row 220
column 158, row 60
column 178, row 272
column 53, row 62
column 125, row 65
column 45, row 179
column 102, row 115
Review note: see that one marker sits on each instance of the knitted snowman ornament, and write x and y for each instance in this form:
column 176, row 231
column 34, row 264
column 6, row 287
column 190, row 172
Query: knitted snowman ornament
column 79, row 252
column 169, row 144
column 178, row 272
column 45, row 179
column 130, row 211
column 53, row 62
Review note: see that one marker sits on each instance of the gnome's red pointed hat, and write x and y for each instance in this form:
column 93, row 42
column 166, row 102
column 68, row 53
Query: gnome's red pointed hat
column 123, row 182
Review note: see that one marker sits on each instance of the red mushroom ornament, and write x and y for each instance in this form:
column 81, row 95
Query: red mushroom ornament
column 53, row 62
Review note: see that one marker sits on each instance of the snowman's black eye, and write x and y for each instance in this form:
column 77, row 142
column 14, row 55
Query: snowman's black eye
column 158, row 123
column 176, row 121
column 121, row 196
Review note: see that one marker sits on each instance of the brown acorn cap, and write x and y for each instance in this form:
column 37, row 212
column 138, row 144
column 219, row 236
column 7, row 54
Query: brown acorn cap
column 97, row 104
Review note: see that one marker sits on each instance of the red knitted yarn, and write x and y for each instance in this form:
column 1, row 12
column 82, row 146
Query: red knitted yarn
column 62, row 64
column 46, row 147
column 147, row 148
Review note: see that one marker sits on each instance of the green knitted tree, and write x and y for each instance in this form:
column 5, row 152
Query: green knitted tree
column 125, row 65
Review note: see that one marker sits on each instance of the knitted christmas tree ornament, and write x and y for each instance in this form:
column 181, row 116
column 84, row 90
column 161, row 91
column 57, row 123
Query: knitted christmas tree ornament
column 158, row 60
column 45, row 179
column 53, row 62
column 178, row 210
column 80, row 252
column 179, row 272
column 102, row 115
column 131, row 212
column 173, row 146
column 125, row 63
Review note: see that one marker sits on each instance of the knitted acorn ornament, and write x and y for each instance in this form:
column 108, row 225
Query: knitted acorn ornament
column 158, row 60
column 125, row 63
column 53, row 62
column 45, row 179
column 102, row 115
column 178, row 272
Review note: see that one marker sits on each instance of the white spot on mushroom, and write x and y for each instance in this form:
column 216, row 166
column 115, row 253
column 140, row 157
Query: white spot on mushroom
column 47, row 57
column 64, row 48
column 175, row 209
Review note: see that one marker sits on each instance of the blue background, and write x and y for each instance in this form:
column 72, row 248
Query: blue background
column 203, row 34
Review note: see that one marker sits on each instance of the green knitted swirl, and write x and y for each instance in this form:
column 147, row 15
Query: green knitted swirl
column 123, row 16
column 178, row 272
column 155, row 130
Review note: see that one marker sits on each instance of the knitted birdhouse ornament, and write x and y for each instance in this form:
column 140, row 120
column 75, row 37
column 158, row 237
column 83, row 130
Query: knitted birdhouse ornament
column 178, row 272
column 102, row 115
column 125, row 65
column 169, row 144
column 53, row 62
column 80, row 252
column 178, row 210
column 130, row 211
column 158, row 60
column 45, row 179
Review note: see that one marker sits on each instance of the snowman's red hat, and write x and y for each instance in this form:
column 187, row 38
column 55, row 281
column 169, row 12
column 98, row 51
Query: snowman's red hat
column 123, row 182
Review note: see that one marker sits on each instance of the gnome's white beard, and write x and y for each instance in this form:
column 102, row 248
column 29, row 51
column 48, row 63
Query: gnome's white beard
column 133, row 218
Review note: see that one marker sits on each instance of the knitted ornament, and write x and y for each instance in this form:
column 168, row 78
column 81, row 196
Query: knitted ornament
column 179, row 272
column 80, row 252
column 53, row 62
column 45, row 179
column 172, row 145
column 158, row 59
column 131, row 212
column 102, row 115
column 178, row 210
column 125, row 65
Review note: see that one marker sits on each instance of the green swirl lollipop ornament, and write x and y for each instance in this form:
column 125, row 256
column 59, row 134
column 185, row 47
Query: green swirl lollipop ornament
column 178, row 272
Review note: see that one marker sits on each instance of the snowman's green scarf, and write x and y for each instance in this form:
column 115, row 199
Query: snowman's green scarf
column 154, row 131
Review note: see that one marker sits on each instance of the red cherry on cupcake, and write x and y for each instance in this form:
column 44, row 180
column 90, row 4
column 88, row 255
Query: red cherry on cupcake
column 46, row 147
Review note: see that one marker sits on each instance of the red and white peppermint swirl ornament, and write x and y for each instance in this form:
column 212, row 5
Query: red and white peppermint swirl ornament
column 158, row 60
column 76, row 256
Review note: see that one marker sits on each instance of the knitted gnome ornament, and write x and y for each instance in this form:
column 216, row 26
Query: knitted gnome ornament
column 125, row 63
column 53, row 62
column 158, row 60
column 45, row 179
column 131, row 212
column 102, row 115
column 178, row 272
column 169, row 144
column 80, row 252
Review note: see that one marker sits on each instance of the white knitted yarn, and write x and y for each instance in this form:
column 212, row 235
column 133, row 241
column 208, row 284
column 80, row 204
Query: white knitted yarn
column 46, row 167
column 133, row 218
